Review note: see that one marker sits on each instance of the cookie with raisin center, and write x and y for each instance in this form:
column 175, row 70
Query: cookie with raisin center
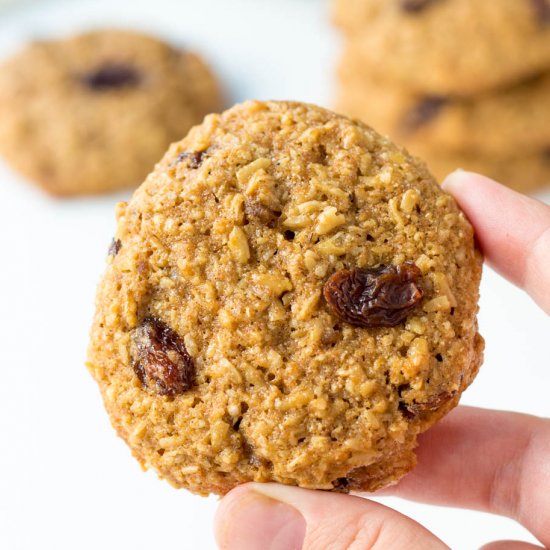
column 292, row 298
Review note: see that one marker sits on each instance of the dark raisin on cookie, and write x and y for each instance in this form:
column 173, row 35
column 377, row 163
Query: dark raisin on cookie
column 160, row 359
column 414, row 409
column 423, row 112
column 112, row 76
column 114, row 247
column 374, row 297
column 415, row 6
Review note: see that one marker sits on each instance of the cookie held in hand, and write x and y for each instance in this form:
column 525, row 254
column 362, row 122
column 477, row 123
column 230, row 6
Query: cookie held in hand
column 293, row 298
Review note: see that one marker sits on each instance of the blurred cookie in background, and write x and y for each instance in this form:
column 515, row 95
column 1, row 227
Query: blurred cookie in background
column 513, row 120
column 522, row 172
column 93, row 113
column 460, row 83
column 457, row 47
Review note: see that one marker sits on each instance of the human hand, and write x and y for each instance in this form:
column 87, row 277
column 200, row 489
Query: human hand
column 508, row 466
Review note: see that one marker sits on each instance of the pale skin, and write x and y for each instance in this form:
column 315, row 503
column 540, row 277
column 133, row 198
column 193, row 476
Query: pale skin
column 507, row 473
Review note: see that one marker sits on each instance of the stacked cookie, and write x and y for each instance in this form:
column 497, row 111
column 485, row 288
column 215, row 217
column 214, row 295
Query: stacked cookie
column 462, row 83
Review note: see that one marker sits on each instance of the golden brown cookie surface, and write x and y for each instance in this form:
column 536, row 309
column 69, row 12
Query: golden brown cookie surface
column 290, row 298
column 93, row 113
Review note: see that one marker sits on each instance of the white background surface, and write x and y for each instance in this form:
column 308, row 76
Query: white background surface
column 66, row 480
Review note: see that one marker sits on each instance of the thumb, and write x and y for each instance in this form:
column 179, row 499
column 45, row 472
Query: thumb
column 276, row 517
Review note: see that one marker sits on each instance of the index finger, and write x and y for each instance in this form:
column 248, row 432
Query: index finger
column 513, row 231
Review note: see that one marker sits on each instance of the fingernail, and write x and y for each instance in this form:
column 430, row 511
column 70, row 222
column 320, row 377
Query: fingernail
column 453, row 179
column 257, row 522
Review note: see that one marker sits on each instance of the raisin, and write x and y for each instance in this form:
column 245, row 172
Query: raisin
column 114, row 247
column 111, row 76
column 374, row 297
column 261, row 214
column 195, row 158
column 423, row 112
column 160, row 359
column 414, row 409
column 415, row 6
column 542, row 11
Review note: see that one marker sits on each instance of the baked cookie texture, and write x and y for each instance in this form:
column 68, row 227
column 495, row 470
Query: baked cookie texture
column 450, row 47
column 94, row 112
column 289, row 297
